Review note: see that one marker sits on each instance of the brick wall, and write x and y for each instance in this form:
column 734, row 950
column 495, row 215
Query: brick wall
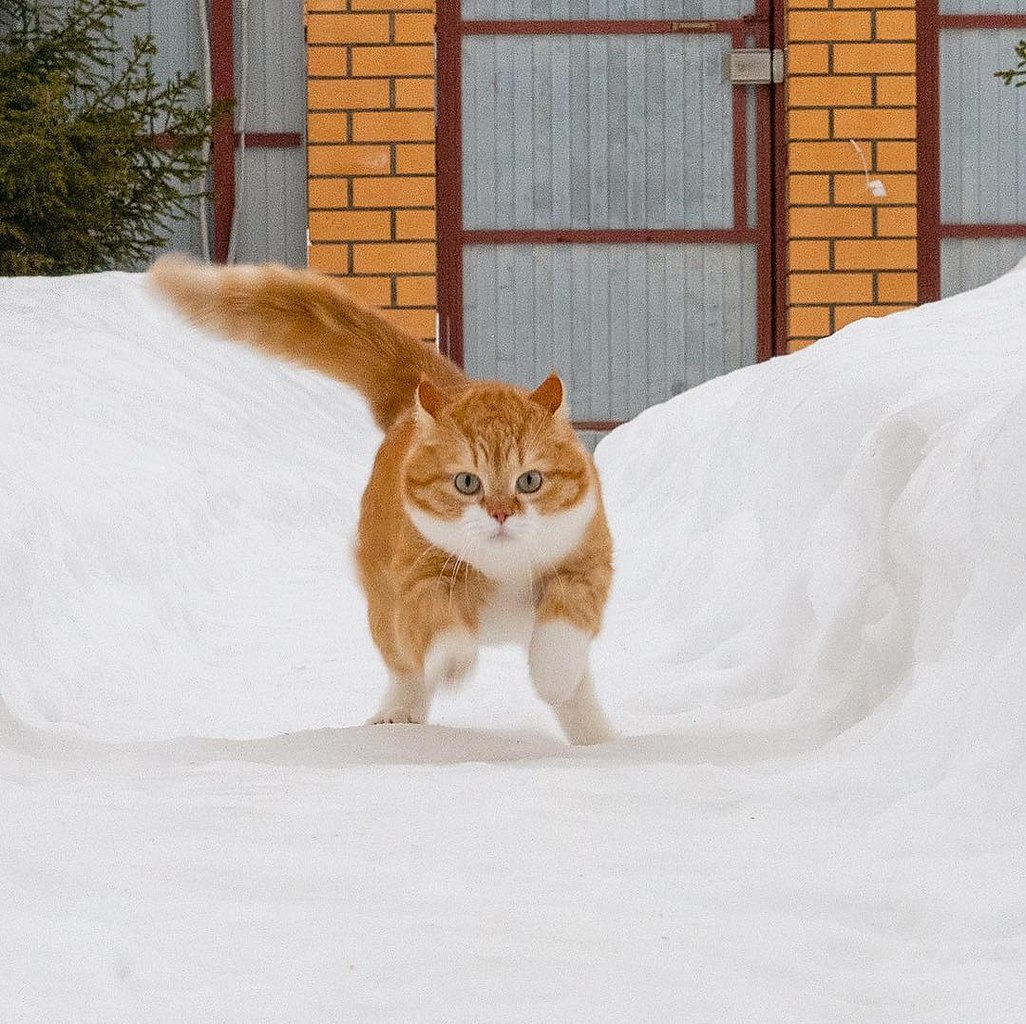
column 851, row 75
column 371, row 154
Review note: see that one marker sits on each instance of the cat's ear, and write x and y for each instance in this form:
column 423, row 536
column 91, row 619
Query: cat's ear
column 430, row 399
column 551, row 395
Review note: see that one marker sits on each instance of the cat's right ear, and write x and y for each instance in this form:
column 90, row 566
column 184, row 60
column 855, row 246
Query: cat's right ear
column 430, row 399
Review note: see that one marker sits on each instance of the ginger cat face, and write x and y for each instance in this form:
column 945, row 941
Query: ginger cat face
column 497, row 478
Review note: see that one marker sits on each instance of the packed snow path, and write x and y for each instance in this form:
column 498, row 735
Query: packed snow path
column 815, row 653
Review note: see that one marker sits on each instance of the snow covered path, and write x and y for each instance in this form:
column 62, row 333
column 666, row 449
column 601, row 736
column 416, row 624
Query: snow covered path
column 815, row 652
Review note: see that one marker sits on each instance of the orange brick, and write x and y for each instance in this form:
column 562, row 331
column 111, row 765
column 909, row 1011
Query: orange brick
column 418, row 322
column 415, row 159
column 327, row 61
column 348, row 159
column 394, row 191
column 822, row 156
column 394, row 126
column 347, row 94
column 895, row 156
column 332, row 259
column 855, row 58
column 844, row 315
column 325, row 5
column 829, row 288
column 851, row 189
column 414, row 28
column 327, row 193
column 830, row 25
column 809, row 255
column 808, row 321
column 895, row 24
column 896, row 91
column 797, row 344
column 394, row 257
column 808, row 58
column 419, row 224
column 391, row 5
column 875, row 254
column 808, row 188
column 796, row 5
column 347, row 28
column 372, row 291
column 327, row 128
column 898, row 222
column 415, row 291
column 349, row 225
column 897, row 287
column 875, row 123
column 874, row 4
column 830, row 222
column 415, row 93
column 829, row 91
column 393, row 60
column 808, row 124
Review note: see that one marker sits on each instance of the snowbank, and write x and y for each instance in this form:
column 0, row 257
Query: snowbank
column 815, row 651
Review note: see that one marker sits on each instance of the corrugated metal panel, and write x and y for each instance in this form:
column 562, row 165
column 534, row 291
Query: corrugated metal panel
column 983, row 7
column 596, row 131
column 626, row 325
column 983, row 130
column 272, row 215
column 619, row 10
column 969, row 262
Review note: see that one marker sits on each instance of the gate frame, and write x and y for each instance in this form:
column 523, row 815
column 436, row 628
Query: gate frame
column 765, row 24
column 931, row 231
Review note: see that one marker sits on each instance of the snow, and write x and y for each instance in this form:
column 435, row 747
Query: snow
column 814, row 652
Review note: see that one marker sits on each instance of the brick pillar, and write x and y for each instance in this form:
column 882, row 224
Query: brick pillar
column 851, row 75
column 371, row 154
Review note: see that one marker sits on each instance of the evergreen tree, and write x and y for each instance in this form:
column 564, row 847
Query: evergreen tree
column 96, row 155
column 1018, row 73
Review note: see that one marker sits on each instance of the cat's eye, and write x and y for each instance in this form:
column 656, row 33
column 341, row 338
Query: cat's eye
column 529, row 482
column 467, row 483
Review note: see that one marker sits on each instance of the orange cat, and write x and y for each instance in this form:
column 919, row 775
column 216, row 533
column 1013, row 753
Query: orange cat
column 482, row 521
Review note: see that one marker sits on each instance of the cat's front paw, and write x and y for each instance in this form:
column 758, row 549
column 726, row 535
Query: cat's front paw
column 558, row 659
column 450, row 658
column 395, row 716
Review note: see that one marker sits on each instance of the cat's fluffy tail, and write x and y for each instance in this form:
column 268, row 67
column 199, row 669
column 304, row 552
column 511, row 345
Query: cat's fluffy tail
column 309, row 319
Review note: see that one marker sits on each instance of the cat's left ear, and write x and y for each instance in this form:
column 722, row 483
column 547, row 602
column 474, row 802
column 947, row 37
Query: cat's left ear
column 551, row 395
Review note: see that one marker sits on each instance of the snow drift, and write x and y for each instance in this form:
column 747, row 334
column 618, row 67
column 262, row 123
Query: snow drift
column 815, row 653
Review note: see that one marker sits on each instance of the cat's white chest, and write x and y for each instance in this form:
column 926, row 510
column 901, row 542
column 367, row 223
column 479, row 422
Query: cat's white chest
column 509, row 615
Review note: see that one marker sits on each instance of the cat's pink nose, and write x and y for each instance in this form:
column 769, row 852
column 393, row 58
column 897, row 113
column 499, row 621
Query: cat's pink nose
column 500, row 515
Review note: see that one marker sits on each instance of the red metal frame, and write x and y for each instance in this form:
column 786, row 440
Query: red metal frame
column 767, row 235
column 929, row 24
column 225, row 139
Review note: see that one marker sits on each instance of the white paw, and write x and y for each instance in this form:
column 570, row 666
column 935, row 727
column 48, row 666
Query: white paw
column 395, row 716
column 558, row 659
column 450, row 658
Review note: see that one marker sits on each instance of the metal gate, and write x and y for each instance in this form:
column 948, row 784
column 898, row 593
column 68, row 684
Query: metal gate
column 972, row 129
column 254, row 53
column 605, row 195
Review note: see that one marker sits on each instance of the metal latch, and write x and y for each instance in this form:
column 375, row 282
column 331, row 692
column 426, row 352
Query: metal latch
column 754, row 67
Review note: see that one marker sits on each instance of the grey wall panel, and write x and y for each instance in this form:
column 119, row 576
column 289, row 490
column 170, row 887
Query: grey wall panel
column 983, row 7
column 272, row 208
column 596, row 132
column 626, row 325
column 983, row 130
column 620, row 10
column 969, row 262
column 276, row 99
